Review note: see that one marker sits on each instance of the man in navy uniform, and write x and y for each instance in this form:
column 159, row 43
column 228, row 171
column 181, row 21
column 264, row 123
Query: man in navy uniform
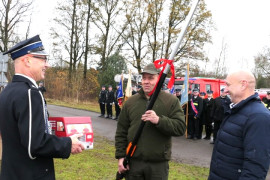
column 220, row 106
column 207, row 109
column 194, row 115
column 178, row 94
column 41, row 88
column 117, row 107
column 266, row 100
column 202, row 95
column 28, row 145
column 202, row 120
column 109, row 102
column 102, row 100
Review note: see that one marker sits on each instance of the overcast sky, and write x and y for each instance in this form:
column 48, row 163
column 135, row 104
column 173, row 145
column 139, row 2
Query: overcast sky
column 245, row 27
column 243, row 24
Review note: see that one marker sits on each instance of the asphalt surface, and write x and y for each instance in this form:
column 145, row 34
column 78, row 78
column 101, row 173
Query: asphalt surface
column 193, row 152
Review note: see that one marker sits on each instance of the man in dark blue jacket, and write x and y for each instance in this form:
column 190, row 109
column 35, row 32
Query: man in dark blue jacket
column 242, row 147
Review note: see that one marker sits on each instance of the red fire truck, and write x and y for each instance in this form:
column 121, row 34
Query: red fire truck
column 203, row 84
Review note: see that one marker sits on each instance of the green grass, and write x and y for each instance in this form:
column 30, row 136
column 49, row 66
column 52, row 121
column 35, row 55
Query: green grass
column 90, row 106
column 99, row 163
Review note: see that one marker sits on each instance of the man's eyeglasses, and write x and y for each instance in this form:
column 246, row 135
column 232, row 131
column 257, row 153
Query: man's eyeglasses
column 41, row 57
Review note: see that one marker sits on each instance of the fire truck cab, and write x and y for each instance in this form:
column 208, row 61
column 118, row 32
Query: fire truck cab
column 203, row 84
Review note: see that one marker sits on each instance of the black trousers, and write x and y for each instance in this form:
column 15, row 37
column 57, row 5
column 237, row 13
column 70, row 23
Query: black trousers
column 216, row 128
column 109, row 109
column 102, row 108
column 208, row 129
column 200, row 128
column 117, row 109
column 193, row 127
column 146, row 170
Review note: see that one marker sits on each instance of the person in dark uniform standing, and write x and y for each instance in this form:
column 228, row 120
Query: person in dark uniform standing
column 202, row 120
column 266, row 100
column 28, row 145
column 139, row 87
column 207, row 109
column 178, row 94
column 109, row 101
column 41, row 88
column 117, row 107
column 134, row 90
column 220, row 106
column 194, row 115
column 102, row 101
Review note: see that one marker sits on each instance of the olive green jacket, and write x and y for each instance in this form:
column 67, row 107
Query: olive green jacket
column 155, row 142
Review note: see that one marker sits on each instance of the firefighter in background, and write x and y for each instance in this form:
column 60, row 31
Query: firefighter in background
column 202, row 120
column 102, row 100
column 109, row 102
column 185, row 108
column 194, row 115
column 41, row 88
column 220, row 106
column 207, row 109
column 178, row 94
column 117, row 107
column 266, row 100
column 202, row 95
column 134, row 90
column 139, row 87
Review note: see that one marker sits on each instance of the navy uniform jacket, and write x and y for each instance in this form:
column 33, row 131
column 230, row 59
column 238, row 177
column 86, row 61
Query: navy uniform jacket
column 28, row 151
column 102, row 96
column 207, row 110
column 109, row 97
column 198, row 103
column 220, row 106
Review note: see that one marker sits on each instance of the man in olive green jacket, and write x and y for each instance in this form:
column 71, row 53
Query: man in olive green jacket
column 166, row 119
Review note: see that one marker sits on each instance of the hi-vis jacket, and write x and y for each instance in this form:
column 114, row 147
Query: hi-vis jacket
column 266, row 103
column 28, row 151
column 155, row 141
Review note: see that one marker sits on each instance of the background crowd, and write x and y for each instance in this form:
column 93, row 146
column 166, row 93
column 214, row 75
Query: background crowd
column 204, row 113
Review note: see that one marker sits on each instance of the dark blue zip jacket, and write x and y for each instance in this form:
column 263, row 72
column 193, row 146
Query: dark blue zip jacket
column 242, row 147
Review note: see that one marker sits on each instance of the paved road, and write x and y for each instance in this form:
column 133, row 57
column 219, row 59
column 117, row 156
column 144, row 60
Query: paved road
column 185, row 151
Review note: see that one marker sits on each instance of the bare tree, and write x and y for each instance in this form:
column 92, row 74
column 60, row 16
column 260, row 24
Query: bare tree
column 105, row 15
column 89, row 6
column 262, row 63
column 197, row 34
column 137, row 19
column 154, row 10
column 69, row 32
column 12, row 13
column 219, row 64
